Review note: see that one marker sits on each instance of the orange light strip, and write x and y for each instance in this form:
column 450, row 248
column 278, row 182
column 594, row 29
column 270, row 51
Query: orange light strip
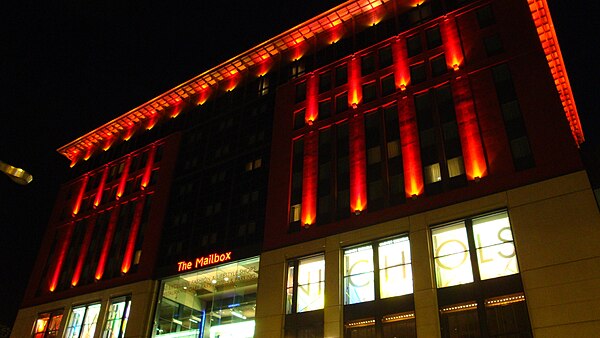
column 77, row 204
column 312, row 99
column 194, row 91
column 547, row 34
column 309, row 179
column 124, row 176
column 85, row 245
column 148, row 169
column 452, row 47
column 401, row 70
column 358, row 163
column 354, row 82
column 60, row 259
column 133, row 232
column 110, row 232
column 468, row 128
column 411, row 155
column 100, row 190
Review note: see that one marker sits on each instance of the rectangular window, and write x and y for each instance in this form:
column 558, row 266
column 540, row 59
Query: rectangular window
column 324, row 109
column 341, row 75
column 305, row 284
column 377, row 270
column 297, row 69
column 388, row 85
column 367, row 64
column 299, row 119
column 493, row 45
column 300, row 92
column 369, row 91
column 418, row 73
column 413, row 45
column 82, row 322
column 485, row 16
column 47, row 324
column 385, row 57
column 438, row 65
column 263, row 86
column 486, row 240
column 341, row 103
column 118, row 315
column 324, row 82
column 434, row 38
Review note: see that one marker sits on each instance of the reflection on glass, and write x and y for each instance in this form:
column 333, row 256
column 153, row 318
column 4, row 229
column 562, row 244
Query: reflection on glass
column 82, row 323
column 214, row 302
column 311, row 284
column 451, row 253
column 118, row 314
column 395, row 273
column 358, row 275
column 495, row 248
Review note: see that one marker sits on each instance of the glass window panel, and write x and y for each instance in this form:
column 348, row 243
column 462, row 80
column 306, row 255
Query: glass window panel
column 451, row 255
column 393, row 149
column 495, row 248
column 460, row 324
column 289, row 290
column 75, row 322
column 456, row 167
column 118, row 312
column 433, row 173
column 358, row 275
column 394, row 252
column 311, row 284
column 396, row 281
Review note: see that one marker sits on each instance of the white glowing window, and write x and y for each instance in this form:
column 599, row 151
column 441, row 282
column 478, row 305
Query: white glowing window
column 358, row 275
column 306, row 289
column 451, row 255
column 118, row 315
column 82, row 322
column 432, row 173
column 495, row 248
column 395, row 271
column 456, row 167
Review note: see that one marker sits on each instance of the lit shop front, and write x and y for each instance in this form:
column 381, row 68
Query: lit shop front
column 213, row 297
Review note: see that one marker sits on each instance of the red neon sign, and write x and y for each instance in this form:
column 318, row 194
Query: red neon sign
column 204, row 261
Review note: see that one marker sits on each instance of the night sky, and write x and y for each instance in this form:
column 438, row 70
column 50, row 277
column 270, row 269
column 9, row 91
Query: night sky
column 68, row 68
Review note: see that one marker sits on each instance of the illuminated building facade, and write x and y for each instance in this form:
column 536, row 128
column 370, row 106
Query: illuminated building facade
column 387, row 168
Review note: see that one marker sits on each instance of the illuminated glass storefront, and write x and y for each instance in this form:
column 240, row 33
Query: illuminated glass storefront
column 216, row 302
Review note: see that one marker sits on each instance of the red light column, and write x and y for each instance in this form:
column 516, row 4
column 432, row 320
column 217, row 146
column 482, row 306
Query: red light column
column 77, row 204
column 110, row 232
column 312, row 104
column 101, row 187
column 452, row 47
column 65, row 241
column 85, row 245
column 401, row 70
column 124, row 176
column 309, row 179
column 133, row 232
column 148, row 169
column 358, row 170
column 354, row 82
column 411, row 155
column 468, row 128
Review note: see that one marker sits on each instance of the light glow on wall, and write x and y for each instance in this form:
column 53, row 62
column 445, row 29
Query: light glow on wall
column 131, row 239
column 309, row 179
column 358, row 171
column 148, row 168
column 452, row 47
column 411, row 155
column 85, row 245
column 468, row 127
column 100, row 190
column 124, row 176
column 110, row 232
column 401, row 70
column 65, row 241
column 354, row 82
column 79, row 197
column 312, row 99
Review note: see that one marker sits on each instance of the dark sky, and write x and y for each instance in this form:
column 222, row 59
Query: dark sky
column 66, row 69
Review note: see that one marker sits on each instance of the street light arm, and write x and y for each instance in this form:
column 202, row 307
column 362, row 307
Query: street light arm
column 18, row 175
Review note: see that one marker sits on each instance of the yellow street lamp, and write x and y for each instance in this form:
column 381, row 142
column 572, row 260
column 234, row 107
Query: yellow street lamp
column 18, row 175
